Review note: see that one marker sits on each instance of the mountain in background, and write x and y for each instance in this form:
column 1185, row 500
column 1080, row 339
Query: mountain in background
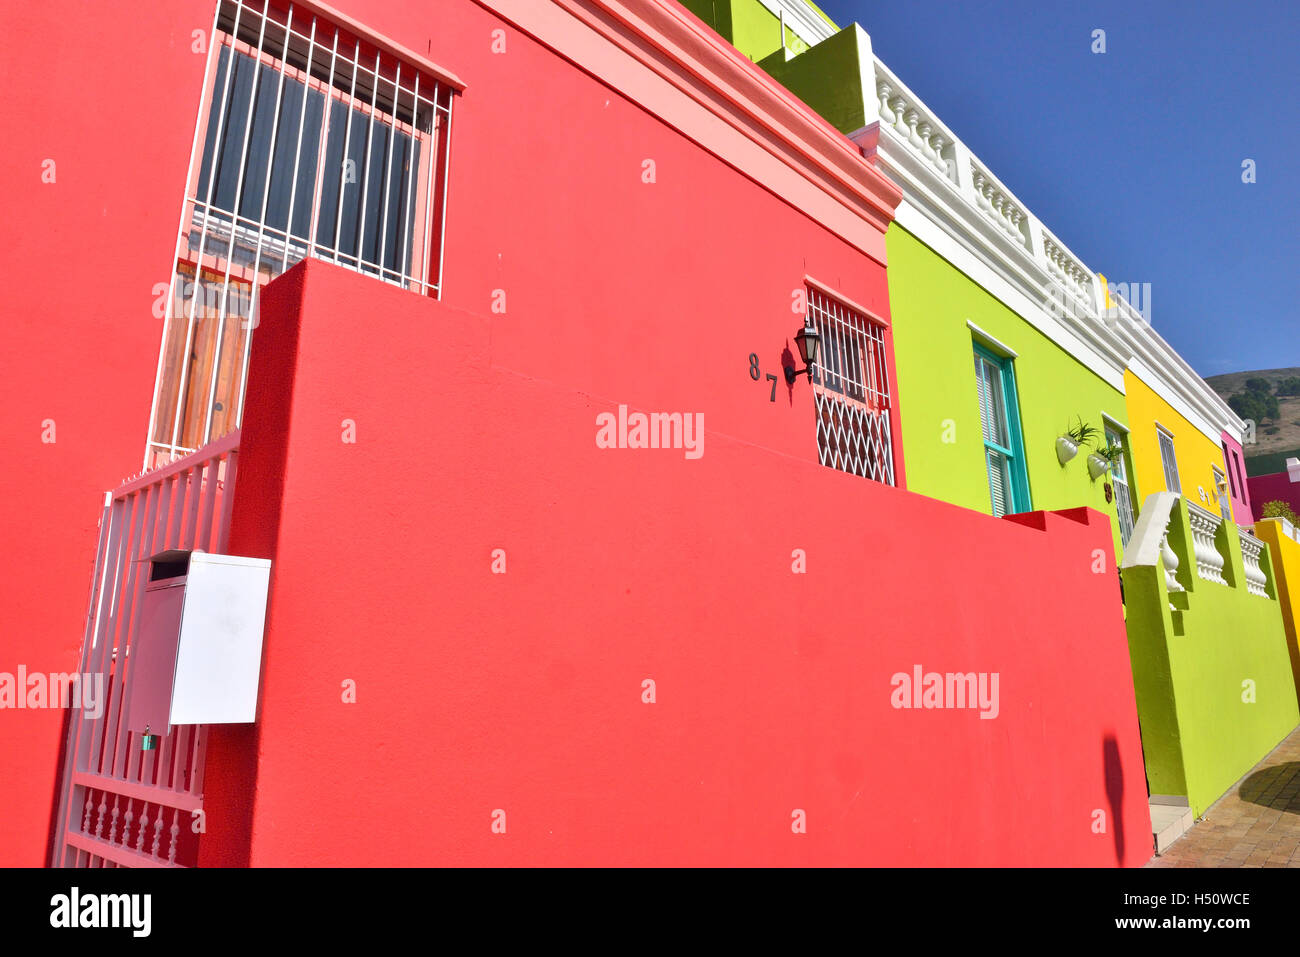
column 1278, row 438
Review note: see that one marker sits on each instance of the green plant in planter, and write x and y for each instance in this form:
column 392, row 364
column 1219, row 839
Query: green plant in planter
column 1279, row 509
column 1083, row 433
column 1103, row 458
column 1067, row 444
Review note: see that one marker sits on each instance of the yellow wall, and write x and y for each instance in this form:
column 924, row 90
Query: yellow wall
column 1285, row 555
column 1195, row 453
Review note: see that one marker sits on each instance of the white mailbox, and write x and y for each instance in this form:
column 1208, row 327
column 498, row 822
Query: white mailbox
column 197, row 653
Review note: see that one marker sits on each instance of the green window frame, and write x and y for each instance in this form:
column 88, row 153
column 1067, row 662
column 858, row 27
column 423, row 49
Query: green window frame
column 1004, row 450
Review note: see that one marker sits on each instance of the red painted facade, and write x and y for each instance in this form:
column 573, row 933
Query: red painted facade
column 83, row 341
column 475, row 431
column 1274, row 487
column 523, row 691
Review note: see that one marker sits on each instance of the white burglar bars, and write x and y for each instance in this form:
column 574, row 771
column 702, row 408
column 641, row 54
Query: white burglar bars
column 311, row 141
column 851, row 390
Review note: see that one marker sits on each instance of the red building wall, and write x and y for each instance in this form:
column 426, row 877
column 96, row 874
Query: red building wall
column 475, row 431
column 522, row 691
column 1271, row 488
column 81, row 256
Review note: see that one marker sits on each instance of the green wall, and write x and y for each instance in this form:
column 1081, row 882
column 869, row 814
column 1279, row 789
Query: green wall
column 1189, row 665
column 828, row 78
column 930, row 302
column 747, row 25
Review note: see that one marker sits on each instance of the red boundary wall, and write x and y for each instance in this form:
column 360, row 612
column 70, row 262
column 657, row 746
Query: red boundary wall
column 109, row 100
column 523, row 692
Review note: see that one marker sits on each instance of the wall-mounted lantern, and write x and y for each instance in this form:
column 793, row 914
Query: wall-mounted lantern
column 807, row 339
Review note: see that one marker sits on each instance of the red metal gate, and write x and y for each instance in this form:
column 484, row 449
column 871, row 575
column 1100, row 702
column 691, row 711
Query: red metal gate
column 122, row 805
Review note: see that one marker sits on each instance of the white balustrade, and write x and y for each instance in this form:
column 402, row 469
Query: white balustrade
column 1256, row 580
column 1205, row 529
column 1067, row 270
column 900, row 111
column 999, row 207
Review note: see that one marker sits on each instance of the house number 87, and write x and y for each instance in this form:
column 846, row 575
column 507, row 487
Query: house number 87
column 754, row 374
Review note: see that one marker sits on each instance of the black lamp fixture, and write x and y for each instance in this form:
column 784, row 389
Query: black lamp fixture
column 807, row 339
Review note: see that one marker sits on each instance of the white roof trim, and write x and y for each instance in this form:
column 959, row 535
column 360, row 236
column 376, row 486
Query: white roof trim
column 1107, row 366
column 997, row 344
column 941, row 210
column 1160, row 386
column 1162, row 362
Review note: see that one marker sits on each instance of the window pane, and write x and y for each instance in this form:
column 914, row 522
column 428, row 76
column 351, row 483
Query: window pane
column 1170, row 463
column 995, row 413
column 999, row 482
column 1117, row 471
column 283, row 188
column 1124, row 509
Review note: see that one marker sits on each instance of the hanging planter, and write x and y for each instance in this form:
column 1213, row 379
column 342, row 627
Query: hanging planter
column 1066, row 448
column 1102, row 459
column 1067, row 445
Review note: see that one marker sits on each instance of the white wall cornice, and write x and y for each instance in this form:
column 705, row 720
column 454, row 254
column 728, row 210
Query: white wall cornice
column 1158, row 365
column 956, row 206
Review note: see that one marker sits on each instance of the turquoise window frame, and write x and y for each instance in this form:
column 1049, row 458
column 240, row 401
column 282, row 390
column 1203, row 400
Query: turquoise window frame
column 1021, row 500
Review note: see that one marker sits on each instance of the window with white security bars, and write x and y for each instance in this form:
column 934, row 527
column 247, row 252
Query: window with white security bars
column 1169, row 461
column 311, row 140
column 851, row 390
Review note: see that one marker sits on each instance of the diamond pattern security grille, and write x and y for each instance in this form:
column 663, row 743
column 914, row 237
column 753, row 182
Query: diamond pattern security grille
column 851, row 391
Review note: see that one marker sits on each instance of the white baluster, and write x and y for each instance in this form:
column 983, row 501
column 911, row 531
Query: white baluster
column 939, row 142
column 913, row 136
column 900, row 122
column 144, row 823
column 924, row 130
column 171, row 848
column 1171, row 564
column 886, row 114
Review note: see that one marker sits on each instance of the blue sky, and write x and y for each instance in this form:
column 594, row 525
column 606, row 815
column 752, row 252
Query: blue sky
column 1133, row 157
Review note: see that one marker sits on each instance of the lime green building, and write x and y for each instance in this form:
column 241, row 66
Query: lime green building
column 1004, row 344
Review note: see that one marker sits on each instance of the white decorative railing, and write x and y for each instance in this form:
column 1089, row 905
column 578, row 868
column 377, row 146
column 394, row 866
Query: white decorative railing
column 1256, row 580
column 1205, row 529
column 903, row 112
column 121, row 804
column 1067, row 270
column 999, row 207
column 927, row 140
column 1289, row 530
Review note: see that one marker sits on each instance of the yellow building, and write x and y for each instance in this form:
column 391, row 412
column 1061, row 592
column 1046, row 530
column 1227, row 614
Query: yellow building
column 1170, row 452
column 1283, row 540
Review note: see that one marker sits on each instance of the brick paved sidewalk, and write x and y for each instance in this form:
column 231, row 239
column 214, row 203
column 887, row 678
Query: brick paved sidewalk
column 1256, row 824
